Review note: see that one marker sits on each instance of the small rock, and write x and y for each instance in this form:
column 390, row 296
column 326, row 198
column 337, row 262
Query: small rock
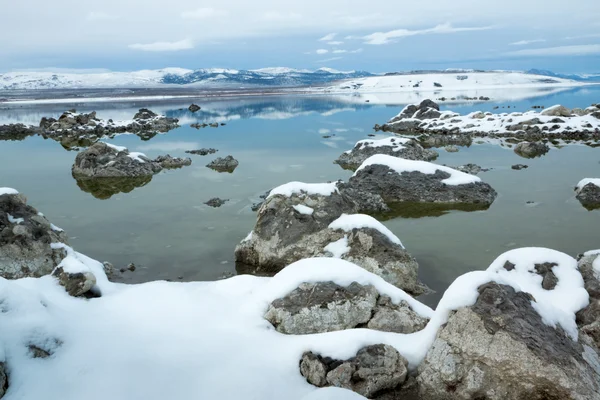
column 519, row 166
column 451, row 149
column 76, row 284
column 216, row 202
column 194, row 107
column 227, row 164
column 202, row 152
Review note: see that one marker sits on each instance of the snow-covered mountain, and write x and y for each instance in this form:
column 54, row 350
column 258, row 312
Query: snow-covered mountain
column 576, row 77
column 214, row 77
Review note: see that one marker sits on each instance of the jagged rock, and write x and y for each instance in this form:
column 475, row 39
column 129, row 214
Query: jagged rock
column 531, row 149
column 76, row 284
column 374, row 369
column 227, row 164
column 397, row 147
column 500, row 348
column 25, row 239
column 588, row 319
column 169, row 162
column 216, row 202
column 16, row 131
column 144, row 114
column 194, row 107
column 588, row 195
column 103, row 161
column 519, row 167
column 557, row 111
column 446, row 140
column 202, row 152
column 398, row 318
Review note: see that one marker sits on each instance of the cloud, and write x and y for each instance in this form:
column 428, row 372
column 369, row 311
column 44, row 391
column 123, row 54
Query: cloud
column 524, row 42
column 591, row 35
column 334, row 43
column 322, row 51
column 328, row 38
column 185, row 44
column 101, row 16
column 580, row 50
column 341, row 51
column 329, row 60
column 203, row 13
column 378, row 38
column 276, row 16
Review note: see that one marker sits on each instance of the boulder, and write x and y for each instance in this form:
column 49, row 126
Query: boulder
column 223, row 164
column 16, row 132
column 145, row 114
column 588, row 193
column 216, row 202
column 25, row 240
column 398, row 318
column 451, row 149
column 168, row 162
column 104, row 161
column 202, row 152
column 556, row 111
column 75, row 283
column 434, row 140
column 374, row 369
column 531, row 149
column 3, row 380
column 500, row 348
column 588, row 319
column 472, row 169
column 396, row 147
column 194, row 107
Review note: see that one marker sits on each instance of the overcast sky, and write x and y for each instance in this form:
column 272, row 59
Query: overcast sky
column 373, row 35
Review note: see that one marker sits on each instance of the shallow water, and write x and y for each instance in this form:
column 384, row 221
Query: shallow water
column 167, row 231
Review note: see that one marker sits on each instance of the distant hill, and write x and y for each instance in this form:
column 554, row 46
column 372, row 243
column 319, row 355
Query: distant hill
column 575, row 77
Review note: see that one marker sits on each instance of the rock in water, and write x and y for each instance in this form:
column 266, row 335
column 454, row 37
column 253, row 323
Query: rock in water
column 519, row 167
column 374, row 369
column 472, row 169
column 531, row 149
column 194, row 107
column 392, row 146
column 104, row 161
column 557, row 111
column 202, row 152
column 25, row 239
column 227, row 164
column 451, row 149
column 588, row 193
column 588, row 319
column 216, row 202
column 500, row 349
column 168, row 162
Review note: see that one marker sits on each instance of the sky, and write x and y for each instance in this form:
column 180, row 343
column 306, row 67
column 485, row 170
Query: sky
column 374, row 35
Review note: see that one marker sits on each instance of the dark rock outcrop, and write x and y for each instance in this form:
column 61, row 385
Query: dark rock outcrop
column 224, row 164
column 202, row 152
column 588, row 195
column 531, row 149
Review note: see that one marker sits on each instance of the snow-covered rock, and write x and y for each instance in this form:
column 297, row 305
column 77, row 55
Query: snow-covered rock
column 557, row 111
column 26, row 237
column 531, row 149
column 393, row 146
column 588, row 193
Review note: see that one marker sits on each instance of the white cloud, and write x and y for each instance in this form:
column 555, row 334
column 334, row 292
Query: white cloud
column 328, row 38
column 580, row 50
column 591, row 35
column 276, row 16
column 335, row 43
column 339, row 51
column 524, row 42
column 387, row 37
column 322, row 51
column 101, row 16
column 329, row 60
column 203, row 13
column 185, row 44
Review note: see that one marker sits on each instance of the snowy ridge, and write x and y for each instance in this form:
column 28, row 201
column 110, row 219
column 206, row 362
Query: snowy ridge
column 6, row 190
column 357, row 221
column 587, row 181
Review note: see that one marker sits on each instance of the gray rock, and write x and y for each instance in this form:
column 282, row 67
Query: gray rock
column 76, row 284
column 398, row 318
column 519, row 167
column 589, row 196
column 314, row 368
column 472, row 169
column 559, row 111
column 226, row 164
column 429, row 113
column 451, row 149
column 194, row 107
column 478, row 115
column 531, row 149
column 103, row 161
column 25, row 239
column 578, row 111
column 410, row 151
column 168, row 162
column 510, row 353
column 145, row 114
column 322, row 307
column 588, row 319
column 3, row 380
column 216, row 202
column 16, row 131
column 202, row 152
column 433, row 140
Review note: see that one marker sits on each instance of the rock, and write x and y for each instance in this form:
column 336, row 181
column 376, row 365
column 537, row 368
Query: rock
column 437, row 84
column 145, row 114
column 16, row 132
column 531, row 149
column 202, row 152
column 398, row 147
column 588, row 319
column 398, row 318
column 227, row 164
column 194, row 107
column 451, row 149
column 478, row 115
column 168, row 162
column 103, row 161
column 556, row 111
column 510, row 354
column 374, row 369
column 432, row 140
column 216, row 202
column 25, row 239
column 3, row 380
column 429, row 113
column 76, row 284
column 519, row 167
column 472, row 169
column 589, row 195
column 322, row 307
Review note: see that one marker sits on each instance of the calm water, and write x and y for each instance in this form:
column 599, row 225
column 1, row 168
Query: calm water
column 167, row 231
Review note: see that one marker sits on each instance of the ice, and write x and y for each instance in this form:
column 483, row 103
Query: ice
column 338, row 248
column 137, row 156
column 401, row 165
column 302, row 209
column 291, row 188
column 117, row 148
column 6, row 190
column 586, row 181
column 357, row 221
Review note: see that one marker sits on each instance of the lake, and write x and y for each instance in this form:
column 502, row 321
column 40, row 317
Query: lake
column 167, row 231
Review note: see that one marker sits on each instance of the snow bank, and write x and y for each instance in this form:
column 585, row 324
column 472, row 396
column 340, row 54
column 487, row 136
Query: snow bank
column 401, row 165
column 291, row 188
column 392, row 141
column 357, row 221
column 302, row 209
column 6, row 190
column 136, row 156
column 582, row 183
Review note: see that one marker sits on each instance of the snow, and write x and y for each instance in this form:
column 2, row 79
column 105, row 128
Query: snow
column 333, row 393
column 395, row 142
column 248, row 237
column 582, row 183
column 302, row 209
column 56, row 228
column 117, row 148
column 6, row 190
column 401, row 165
column 209, row 340
column 14, row 220
column 596, row 263
column 136, row 156
column 338, row 248
column 291, row 188
column 358, row 221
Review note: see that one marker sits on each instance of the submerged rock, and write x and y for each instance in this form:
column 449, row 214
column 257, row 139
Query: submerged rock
column 396, row 147
column 472, row 169
column 519, row 167
column 105, row 188
column 25, row 240
column 168, row 162
column 106, row 161
column 374, row 369
column 194, row 107
column 588, row 193
column 202, row 152
column 500, row 349
column 531, row 149
column 451, row 149
column 216, row 202
column 226, row 164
